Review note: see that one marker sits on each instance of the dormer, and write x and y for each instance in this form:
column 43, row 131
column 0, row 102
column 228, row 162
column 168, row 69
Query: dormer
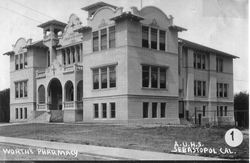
column 91, row 9
column 52, row 30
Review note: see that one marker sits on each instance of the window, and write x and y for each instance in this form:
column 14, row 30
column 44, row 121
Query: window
column 16, row 113
column 162, row 40
column 145, row 37
column 154, row 77
column 16, row 90
column 199, row 88
column 153, row 38
column 225, row 90
column 104, row 110
column 204, row 111
column 41, row 94
column 163, row 78
column 25, row 89
column 204, row 88
column 25, row 113
column 112, row 77
column 145, row 76
column 218, row 112
column 95, row 41
column 64, row 57
column 222, row 90
column 104, row 39
column 25, row 60
column 16, row 62
column 151, row 76
column 73, row 54
column 48, row 58
column 68, row 56
column 154, row 110
column 21, row 113
column 145, row 110
column 78, row 53
column 225, row 111
column 219, row 64
column 112, row 110
column 21, row 61
column 163, row 109
column 96, row 78
column 103, row 75
column 21, row 89
column 96, row 111
column 221, row 110
column 112, row 37
column 199, row 60
column 104, row 80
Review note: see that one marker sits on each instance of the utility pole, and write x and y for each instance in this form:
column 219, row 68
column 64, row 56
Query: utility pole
column 141, row 4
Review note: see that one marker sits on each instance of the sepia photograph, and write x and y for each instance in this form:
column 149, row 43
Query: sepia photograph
column 124, row 80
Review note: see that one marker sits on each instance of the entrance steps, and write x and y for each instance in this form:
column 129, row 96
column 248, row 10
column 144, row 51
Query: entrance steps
column 40, row 117
column 185, row 122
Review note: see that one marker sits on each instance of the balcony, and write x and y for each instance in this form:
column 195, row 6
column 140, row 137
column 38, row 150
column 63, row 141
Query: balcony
column 77, row 105
column 40, row 74
column 72, row 68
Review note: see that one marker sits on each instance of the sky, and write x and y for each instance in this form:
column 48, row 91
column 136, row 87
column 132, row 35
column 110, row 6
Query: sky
column 219, row 24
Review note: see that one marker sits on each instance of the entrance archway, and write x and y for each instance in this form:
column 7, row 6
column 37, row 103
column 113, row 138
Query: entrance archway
column 55, row 94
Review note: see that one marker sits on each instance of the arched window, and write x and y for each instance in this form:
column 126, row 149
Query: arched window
column 41, row 94
column 79, row 90
column 69, row 91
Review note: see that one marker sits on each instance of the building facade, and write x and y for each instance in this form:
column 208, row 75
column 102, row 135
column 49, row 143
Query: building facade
column 121, row 67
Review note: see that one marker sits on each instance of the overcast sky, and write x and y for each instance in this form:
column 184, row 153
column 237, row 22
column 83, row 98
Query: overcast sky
column 219, row 24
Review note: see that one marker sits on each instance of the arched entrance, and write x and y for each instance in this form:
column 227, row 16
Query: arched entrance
column 55, row 95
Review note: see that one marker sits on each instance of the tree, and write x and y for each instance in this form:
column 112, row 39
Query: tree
column 5, row 105
column 241, row 107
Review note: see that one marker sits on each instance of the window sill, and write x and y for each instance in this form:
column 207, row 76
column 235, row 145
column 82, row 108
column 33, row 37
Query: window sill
column 21, row 98
column 164, row 51
column 154, row 89
column 104, row 89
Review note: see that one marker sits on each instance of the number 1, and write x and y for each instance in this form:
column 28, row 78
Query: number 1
column 232, row 133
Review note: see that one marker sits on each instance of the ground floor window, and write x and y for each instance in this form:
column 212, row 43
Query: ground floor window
column 21, row 113
column 112, row 110
column 96, row 111
column 104, row 110
column 154, row 110
column 145, row 110
column 163, row 109
column 204, row 111
column 16, row 113
column 25, row 113
column 221, row 110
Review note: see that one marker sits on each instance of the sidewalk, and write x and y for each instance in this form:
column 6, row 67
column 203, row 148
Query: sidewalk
column 109, row 152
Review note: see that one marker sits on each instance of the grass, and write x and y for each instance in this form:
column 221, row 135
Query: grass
column 159, row 139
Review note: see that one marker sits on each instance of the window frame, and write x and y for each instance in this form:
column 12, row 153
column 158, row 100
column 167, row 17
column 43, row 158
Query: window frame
column 145, row 107
column 112, row 110
column 154, row 109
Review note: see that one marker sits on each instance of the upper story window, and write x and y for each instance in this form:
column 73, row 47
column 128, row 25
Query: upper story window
column 199, row 88
column 104, row 77
column 71, row 55
column 219, row 64
column 48, row 58
column 106, row 37
column 21, row 89
column 157, row 39
column 154, row 77
column 222, row 90
column 199, row 60
column 21, row 61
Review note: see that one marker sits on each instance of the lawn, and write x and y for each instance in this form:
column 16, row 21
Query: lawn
column 160, row 139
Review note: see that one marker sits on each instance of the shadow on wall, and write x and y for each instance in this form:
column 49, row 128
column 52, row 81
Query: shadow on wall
column 5, row 105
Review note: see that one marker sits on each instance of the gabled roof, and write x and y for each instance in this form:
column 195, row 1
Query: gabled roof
column 193, row 45
column 127, row 15
column 9, row 53
column 97, row 5
column 52, row 22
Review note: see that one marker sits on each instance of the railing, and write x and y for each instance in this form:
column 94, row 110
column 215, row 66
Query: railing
column 73, row 68
column 41, row 106
column 69, row 104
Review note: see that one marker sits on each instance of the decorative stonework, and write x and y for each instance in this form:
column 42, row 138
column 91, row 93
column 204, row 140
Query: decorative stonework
column 20, row 44
column 103, row 23
column 69, row 35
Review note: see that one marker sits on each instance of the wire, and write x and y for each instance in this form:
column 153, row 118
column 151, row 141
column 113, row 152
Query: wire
column 32, row 9
column 20, row 14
